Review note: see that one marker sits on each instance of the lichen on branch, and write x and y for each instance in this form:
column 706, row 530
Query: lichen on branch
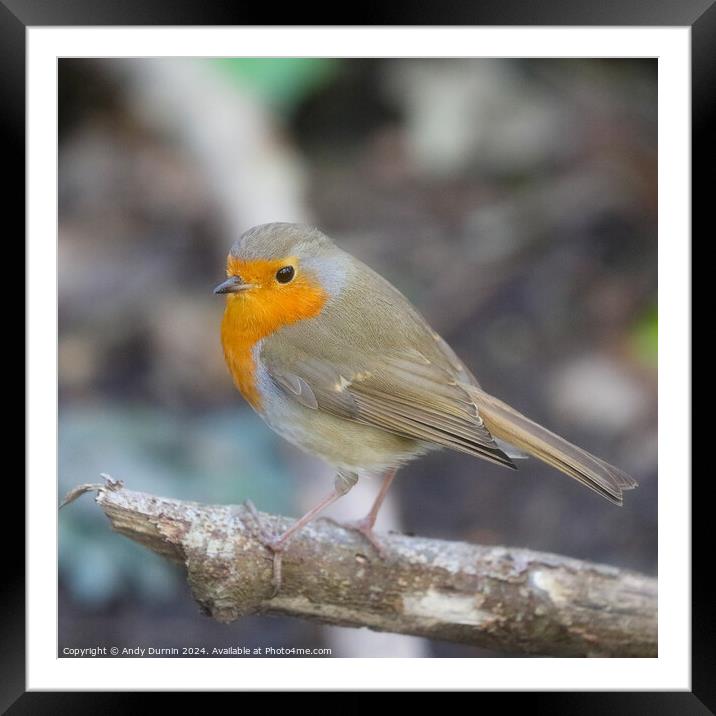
column 513, row 600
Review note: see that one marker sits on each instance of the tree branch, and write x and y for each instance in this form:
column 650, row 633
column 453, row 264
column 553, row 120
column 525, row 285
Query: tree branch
column 513, row 600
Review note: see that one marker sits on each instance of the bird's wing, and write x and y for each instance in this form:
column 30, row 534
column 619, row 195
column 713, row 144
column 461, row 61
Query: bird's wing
column 400, row 390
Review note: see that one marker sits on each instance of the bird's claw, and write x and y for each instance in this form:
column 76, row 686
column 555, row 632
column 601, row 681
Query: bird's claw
column 364, row 527
column 271, row 542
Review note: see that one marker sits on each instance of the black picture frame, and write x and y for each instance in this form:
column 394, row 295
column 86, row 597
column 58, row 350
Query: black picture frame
column 17, row 15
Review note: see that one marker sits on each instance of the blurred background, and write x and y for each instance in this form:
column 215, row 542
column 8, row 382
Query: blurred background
column 513, row 201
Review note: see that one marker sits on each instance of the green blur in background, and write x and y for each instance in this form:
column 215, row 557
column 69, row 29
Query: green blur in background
column 282, row 83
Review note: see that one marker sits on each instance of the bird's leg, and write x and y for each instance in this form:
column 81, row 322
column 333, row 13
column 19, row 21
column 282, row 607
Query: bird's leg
column 365, row 524
column 344, row 482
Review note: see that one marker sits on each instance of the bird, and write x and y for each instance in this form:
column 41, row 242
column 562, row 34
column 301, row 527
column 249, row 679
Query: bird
column 337, row 361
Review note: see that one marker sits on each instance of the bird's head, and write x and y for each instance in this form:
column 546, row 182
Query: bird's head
column 277, row 274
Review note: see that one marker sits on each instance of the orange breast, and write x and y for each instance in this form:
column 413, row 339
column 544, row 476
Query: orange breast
column 253, row 315
column 240, row 360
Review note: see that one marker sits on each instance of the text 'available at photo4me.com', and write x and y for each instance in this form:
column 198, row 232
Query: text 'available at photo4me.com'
column 98, row 651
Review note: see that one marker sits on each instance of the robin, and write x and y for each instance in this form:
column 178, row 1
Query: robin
column 337, row 361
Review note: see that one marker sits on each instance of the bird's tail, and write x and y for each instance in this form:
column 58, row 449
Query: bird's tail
column 514, row 428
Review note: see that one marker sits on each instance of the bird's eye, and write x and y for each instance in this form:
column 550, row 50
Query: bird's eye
column 285, row 274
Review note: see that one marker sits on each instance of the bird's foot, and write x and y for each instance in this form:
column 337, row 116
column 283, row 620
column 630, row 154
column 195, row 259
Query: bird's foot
column 273, row 542
column 363, row 526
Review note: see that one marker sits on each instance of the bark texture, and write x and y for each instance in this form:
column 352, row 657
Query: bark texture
column 514, row 600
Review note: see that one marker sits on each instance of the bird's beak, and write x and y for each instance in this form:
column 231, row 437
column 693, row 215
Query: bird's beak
column 233, row 284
